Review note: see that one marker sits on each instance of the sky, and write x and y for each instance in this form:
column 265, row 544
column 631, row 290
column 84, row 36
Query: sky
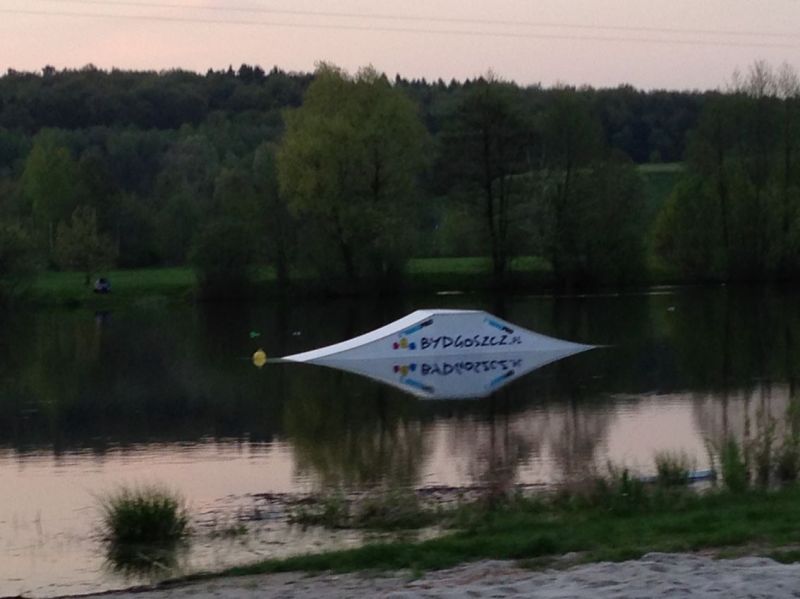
column 651, row 44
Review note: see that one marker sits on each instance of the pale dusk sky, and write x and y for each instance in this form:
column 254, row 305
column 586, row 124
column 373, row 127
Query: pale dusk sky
column 675, row 44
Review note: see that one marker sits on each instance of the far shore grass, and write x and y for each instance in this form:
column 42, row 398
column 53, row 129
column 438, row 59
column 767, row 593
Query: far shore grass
column 538, row 534
column 180, row 283
column 67, row 288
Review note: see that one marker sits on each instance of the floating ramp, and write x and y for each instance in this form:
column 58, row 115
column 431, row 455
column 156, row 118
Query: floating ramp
column 443, row 354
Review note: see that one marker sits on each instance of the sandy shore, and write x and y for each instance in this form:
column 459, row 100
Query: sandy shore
column 655, row 575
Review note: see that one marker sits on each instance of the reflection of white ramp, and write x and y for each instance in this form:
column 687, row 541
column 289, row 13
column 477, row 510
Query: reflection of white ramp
column 441, row 354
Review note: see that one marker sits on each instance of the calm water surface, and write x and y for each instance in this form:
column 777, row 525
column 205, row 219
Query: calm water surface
column 166, row 394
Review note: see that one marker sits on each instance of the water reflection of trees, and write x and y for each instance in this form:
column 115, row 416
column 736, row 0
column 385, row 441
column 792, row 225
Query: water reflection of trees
column 578, row 438
column 739, row 352
column 74, row 380
column 730, row 340
column 70, row 380
column 561, row 436
column 492, row 445
column 745, row 414
column 348, row 432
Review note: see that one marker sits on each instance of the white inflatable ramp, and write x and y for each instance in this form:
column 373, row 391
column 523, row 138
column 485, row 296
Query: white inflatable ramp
column 444, row 354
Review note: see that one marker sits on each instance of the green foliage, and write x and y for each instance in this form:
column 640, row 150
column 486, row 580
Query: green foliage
column 185, row 186
column 346, row 198
column 611, row 229
column 688, row 233
column 673, row 468
column 143, row 516
column 17, row 259
column 788, row 456
column 222, row 255
column 588, row 207
column 571, row 134
column 659, row 181
column 762, row 447
column 530, row 530
column 766, row 458
column 50, row 183
column 347, row 167
column 459, row 229
column 14, row 146
column 593, row 233
column 279, row 226
column 787, row 466
column 735, row 214
column 79, row 245
column 620, row 492
column 135, row 231
column 735, row 473
column 644, row 124
column 486, row 145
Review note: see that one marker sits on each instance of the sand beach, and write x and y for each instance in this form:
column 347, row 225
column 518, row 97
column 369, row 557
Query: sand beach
column 654, row 575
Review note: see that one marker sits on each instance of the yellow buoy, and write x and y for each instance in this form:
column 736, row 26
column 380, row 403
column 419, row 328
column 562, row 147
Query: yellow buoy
column 259, row 358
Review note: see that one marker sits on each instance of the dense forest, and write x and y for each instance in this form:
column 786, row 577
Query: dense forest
column 341, row 178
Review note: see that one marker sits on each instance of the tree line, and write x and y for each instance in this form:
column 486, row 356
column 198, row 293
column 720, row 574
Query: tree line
column 735, row 215
column 341, row 178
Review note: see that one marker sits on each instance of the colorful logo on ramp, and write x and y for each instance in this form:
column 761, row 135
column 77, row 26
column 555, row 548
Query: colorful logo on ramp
column 403, row 370
column 403, row 342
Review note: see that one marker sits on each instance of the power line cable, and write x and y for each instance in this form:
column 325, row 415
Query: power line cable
column 385, row 29
column 434, row 19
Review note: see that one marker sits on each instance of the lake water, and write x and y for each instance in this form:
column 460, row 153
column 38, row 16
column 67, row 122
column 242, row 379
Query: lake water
column 155, row 393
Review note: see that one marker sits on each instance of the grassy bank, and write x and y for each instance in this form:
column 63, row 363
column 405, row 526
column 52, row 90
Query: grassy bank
column 66, row 288
column 180, row 284
column 658, row 181
column 756, row 521
column 474, row 274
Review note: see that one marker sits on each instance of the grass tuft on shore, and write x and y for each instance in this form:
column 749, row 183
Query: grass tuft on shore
column 150, row 515
column 673, row 468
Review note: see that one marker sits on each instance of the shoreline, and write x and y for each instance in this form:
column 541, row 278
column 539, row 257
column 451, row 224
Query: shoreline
column 653, row 575
column 521, row 542
column 571, row 532
column 423, row 276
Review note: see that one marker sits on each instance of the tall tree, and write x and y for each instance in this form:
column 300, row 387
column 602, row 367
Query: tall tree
column 710, row 157
column 186, row 188
column 485, row 144
column 348, row 168
column 788, row 89
column 743, row 168
column 277, row 222
column 50, row 184
column 571, row 141
column 754, row 251
column 80, row 246
column 689, row 231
